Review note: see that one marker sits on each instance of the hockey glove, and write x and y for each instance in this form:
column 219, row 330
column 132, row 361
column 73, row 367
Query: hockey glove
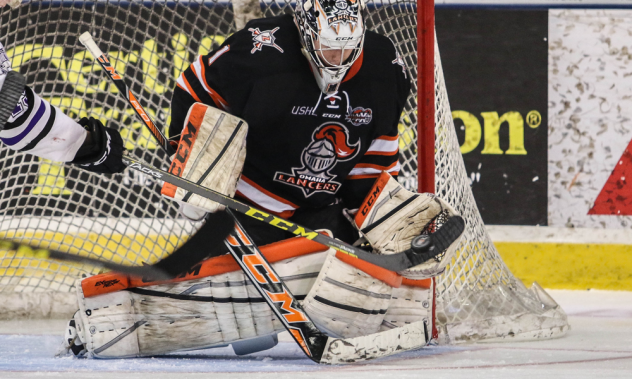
column 102, row 151
column 391, row 217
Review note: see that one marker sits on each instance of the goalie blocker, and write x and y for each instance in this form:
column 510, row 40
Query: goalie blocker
column 211, row 153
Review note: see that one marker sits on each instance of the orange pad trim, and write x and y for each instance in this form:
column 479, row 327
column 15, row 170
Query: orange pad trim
column 421, row 283
column 389, row 277
column 274, row 252
column 189, row 134
column 371, row 197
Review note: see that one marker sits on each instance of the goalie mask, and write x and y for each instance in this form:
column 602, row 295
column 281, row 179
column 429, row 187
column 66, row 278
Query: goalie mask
column 332, row 34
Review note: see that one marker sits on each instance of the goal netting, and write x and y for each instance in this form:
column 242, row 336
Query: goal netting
column 123, row 218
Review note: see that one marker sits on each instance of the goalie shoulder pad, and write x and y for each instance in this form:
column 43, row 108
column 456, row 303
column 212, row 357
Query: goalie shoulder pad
column 390, row 217
column 211, row 153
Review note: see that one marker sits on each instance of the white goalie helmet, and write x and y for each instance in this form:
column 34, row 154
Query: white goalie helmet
column 332, row 35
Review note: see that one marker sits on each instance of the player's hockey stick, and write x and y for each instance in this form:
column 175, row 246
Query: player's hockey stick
column 31, row 251
column 395, row 262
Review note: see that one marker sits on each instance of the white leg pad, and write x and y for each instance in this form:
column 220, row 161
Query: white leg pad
column 407, row 305
column 345, row 301
column 195, row 314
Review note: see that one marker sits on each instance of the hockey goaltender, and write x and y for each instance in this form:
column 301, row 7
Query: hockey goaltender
column 316, row 98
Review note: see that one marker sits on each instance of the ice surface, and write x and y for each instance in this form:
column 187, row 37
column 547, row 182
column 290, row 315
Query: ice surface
column 598, row 346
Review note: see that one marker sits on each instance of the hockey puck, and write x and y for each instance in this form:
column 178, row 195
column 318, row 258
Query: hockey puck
column 421, row 244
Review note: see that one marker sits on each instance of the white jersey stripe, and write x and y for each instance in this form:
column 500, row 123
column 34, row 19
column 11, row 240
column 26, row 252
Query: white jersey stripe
column 261, row 199
column 218, row 54
column 371, row 171
column 197, row 70
column 383, row 146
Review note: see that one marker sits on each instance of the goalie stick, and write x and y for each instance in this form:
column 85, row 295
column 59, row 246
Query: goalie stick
column 316, row 345
column 395, row 262
column 439, row 241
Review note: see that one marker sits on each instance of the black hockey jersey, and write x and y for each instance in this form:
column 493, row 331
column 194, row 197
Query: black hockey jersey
column 304, row 148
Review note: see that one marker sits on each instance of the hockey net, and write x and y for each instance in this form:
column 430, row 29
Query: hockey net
column 122, row 218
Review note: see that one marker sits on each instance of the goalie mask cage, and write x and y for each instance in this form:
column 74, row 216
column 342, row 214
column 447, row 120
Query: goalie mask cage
column 122, row 218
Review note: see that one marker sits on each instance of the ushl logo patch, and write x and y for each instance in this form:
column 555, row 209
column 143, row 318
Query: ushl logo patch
column 263, row 38
column 330, row 145
column 360, row 116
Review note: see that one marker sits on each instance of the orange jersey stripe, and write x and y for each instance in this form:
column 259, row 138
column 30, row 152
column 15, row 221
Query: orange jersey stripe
column 217, row 99
column 191, row 91
column 284, row 214
column 383, row 153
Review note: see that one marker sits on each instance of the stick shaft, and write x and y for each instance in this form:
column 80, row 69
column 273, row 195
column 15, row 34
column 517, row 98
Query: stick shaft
column 46, row 253
column 276, row 294
column 104, row 62
column 395, row 262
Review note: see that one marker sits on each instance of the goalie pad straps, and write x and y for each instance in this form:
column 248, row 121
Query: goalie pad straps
column 390, row 217
column 211, row 153
column 345, row 301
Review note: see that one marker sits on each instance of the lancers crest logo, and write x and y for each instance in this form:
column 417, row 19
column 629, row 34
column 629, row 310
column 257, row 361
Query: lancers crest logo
column 359, row 116
column 330, row 145
column 263, row 38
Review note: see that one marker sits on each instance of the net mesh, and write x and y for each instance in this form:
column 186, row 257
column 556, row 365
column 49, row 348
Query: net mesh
column 122, row 218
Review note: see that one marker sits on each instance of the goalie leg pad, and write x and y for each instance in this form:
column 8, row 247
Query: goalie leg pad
column 410, row 304
column 211, row 153
column 390, row 217
column 186, row 315
column 345, row 301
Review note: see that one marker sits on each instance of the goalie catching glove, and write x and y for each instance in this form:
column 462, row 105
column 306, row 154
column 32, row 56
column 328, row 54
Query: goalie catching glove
column 391, row 217
column 352, row 298
column 211, row 153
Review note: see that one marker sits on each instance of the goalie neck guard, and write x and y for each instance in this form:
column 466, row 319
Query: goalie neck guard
column 332, row 35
